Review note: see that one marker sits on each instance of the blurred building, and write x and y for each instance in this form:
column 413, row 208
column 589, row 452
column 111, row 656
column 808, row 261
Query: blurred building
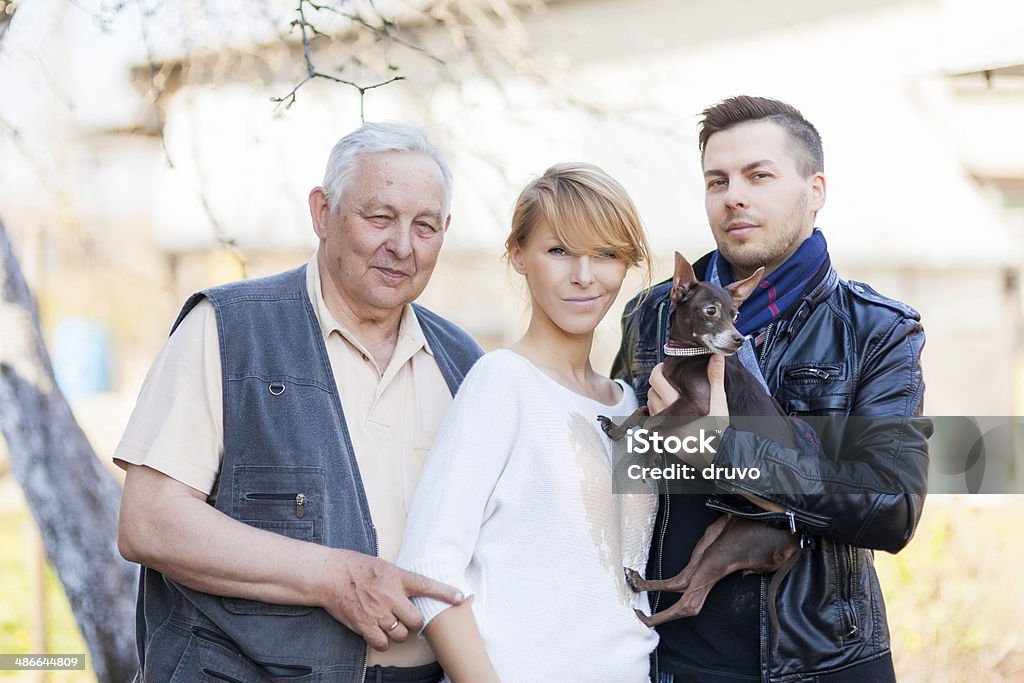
column 122, row 208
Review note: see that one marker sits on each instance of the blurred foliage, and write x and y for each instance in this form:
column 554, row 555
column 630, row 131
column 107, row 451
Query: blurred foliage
column 18, row 538
column 954, row 594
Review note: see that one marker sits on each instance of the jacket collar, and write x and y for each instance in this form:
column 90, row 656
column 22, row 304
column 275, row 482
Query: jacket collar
column 819, row 289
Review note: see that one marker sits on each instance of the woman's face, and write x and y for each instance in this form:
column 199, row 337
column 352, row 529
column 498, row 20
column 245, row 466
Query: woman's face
column 573, row 292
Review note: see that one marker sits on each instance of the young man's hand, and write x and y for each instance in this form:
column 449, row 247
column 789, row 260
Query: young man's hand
column 661, row 394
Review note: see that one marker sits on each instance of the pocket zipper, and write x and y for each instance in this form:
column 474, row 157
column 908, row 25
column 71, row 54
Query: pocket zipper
column 299, row 498
column 808, row 373
column 801, row 373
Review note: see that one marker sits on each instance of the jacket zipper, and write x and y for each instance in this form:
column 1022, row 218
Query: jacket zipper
column 851, row 561
column 765, row 636
column 661, row 309
column 764, row 346
column 790, row 516
column 661, row 552
column 664, row 519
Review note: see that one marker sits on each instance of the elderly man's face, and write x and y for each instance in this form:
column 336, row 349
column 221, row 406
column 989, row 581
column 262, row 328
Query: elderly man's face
column 379, row 247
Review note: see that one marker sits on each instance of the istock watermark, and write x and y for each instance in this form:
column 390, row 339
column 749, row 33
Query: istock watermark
column 644, row 441
column 684, row 472
column 962, row 454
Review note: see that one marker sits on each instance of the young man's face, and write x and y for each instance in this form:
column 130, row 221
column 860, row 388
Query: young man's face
column 760, row 206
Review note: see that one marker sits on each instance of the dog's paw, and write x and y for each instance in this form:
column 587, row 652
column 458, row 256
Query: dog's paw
column 606, row 424
column 651, row 460
column 633, row 579
column 644, row 618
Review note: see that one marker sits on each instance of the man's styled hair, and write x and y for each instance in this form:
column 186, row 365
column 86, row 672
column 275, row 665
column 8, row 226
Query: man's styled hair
column 377, row 138
column 587, row 210
column 741, row 109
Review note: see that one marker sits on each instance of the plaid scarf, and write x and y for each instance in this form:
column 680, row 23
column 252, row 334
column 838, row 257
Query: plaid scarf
column 780, row 289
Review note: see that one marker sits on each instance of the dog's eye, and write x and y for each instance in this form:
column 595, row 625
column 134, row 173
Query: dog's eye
column 710, row 310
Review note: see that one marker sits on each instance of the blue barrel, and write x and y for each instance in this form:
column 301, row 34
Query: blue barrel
column 81, row 357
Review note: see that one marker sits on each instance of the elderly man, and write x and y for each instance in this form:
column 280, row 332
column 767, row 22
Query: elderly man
column 825, row 346
column 279, row 436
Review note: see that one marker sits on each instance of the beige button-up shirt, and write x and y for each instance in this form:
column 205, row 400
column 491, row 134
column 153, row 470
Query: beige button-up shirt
column 392, row 415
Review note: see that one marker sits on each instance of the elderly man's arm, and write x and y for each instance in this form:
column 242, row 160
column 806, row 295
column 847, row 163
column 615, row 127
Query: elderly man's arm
column 168, row 526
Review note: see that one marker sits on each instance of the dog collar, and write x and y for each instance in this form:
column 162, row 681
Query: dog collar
column 672, row 350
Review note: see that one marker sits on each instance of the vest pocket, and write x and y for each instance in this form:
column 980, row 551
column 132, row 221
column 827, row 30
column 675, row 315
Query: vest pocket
column 285, row 500
column 212, row 657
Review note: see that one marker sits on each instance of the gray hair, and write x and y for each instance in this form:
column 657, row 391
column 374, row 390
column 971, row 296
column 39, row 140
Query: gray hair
column 377, row 138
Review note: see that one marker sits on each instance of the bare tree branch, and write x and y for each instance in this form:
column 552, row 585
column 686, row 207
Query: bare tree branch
column 310, row 32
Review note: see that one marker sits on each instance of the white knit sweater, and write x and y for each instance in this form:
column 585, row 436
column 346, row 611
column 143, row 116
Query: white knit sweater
column 515, row 506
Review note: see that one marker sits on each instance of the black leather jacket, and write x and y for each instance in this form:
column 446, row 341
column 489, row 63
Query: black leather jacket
column 843, row 349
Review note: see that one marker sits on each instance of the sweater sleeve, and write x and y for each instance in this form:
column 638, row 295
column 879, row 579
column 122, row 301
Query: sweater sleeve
column 453, row 498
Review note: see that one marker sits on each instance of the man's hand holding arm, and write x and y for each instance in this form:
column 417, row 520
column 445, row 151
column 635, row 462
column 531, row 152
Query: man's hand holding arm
column 169, row 526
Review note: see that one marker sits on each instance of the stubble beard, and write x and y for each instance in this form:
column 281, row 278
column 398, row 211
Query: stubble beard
column 781, row 242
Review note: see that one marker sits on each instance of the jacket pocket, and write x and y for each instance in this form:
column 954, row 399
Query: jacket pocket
column 815, row 405
column 815, row 388
column 813, row 373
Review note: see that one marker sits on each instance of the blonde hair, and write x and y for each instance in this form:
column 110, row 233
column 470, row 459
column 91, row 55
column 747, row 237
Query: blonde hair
column 587, row 210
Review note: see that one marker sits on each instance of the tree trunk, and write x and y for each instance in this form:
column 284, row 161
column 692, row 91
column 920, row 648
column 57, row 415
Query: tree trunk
column 73, row 499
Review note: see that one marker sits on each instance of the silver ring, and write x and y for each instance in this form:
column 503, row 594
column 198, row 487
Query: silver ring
column 393, row 626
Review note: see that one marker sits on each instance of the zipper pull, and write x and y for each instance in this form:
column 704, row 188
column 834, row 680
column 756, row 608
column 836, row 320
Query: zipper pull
column 300, row 505
column 792, row 521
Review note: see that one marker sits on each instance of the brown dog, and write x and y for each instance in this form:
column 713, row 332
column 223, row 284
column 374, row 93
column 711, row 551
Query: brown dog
column 702, row 324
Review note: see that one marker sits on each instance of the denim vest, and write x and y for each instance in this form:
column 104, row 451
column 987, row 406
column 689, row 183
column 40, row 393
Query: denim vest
column 288, row 468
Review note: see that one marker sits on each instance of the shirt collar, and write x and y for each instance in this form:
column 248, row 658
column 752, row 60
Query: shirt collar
column 409, row 330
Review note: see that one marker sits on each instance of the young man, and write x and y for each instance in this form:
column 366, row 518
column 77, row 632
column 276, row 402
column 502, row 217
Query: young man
column 824, row 347
column 277, row 441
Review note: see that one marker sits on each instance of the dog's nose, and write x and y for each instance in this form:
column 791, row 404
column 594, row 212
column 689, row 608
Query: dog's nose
column 738, row 338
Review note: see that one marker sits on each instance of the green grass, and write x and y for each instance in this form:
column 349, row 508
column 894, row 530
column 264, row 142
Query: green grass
column 18, row 608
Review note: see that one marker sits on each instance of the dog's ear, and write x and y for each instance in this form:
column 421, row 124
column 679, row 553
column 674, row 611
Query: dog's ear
column 742, row 289
column 683, row 278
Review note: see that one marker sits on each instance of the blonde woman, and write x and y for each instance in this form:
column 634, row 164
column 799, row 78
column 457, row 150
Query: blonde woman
column 515, row 505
